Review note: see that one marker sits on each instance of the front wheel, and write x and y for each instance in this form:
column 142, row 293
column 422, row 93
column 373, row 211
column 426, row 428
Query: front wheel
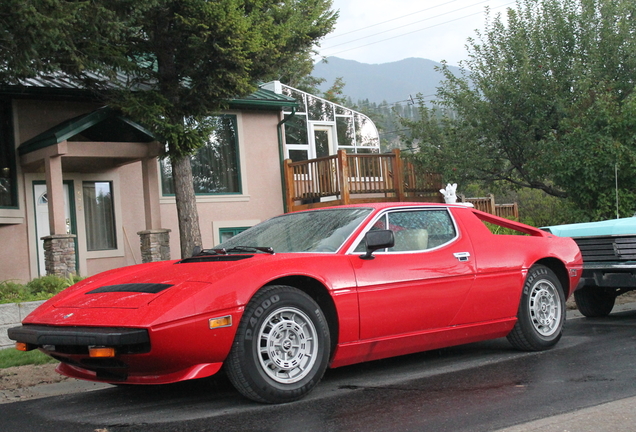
column 281, row 348
column 594, row 302
column 541, row 311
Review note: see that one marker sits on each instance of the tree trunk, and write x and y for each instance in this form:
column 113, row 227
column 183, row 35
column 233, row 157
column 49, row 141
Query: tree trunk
column 189, row 231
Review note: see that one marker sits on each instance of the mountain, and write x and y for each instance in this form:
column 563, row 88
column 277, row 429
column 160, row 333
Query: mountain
column 390, row 82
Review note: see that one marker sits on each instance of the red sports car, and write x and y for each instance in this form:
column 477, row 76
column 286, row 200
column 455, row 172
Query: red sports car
column 279, row 303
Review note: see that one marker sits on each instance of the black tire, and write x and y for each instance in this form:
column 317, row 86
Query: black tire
column 281, row 348
column 594, row 302
column 541, row 311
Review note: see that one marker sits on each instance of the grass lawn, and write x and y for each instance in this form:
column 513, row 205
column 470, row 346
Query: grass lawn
column 11, row 357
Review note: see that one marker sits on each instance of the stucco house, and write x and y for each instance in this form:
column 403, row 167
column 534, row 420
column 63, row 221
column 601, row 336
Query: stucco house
column 87, row 188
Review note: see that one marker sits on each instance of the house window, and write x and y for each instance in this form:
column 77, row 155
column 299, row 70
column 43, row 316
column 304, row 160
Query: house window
column 296, row 129
column 8, row 193
column 215, row 166
column 346, row 131
column 99, row 214
column 227, row 233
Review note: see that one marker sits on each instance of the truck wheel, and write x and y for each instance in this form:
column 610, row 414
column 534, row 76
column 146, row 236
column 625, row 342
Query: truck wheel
column 541, row 311
column 594, row 302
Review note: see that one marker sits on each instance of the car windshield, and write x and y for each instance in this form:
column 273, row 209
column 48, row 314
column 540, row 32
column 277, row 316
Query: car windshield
column 311, row 231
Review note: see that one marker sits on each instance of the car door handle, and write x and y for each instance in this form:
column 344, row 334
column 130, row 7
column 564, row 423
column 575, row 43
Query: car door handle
column 462, row 256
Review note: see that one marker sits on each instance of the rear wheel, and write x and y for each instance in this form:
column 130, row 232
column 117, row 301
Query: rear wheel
column 281, row 349
column 594, row 302
column 541, row 311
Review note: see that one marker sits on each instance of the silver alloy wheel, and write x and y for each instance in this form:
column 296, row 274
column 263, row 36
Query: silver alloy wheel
column 545, row 307
column 288, row 345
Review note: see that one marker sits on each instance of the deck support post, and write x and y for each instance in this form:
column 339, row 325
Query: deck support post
column 343, row 177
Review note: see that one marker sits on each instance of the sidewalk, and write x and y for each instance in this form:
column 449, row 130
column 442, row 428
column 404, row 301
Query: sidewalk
column 617, row 416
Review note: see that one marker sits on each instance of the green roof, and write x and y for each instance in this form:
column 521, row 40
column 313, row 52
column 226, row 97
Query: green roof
column 264, row 99
column 64, row 87
column 102, row 125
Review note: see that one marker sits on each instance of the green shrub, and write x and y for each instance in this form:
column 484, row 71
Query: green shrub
column 42, row 288
column 499, row 230
column 11, row 292
column 46, row 285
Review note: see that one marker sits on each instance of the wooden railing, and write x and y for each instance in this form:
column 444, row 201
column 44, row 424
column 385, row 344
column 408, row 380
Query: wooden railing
column 356, row 178
column 488, row 205
column 360, row 178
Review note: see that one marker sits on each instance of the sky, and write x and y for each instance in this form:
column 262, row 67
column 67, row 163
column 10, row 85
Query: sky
column 383, row 31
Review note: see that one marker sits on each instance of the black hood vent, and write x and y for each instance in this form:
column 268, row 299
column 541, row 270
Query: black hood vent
column 149, row 288
column 214, row 258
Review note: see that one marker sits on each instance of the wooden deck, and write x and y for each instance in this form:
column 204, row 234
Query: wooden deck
column 362, row 178
column 357, row 178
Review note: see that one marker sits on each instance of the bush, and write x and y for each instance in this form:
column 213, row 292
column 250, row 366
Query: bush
column 11, row 292
column 42, row 288
column 46, row 285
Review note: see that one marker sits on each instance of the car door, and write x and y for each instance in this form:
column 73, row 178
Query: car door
column 420, row 283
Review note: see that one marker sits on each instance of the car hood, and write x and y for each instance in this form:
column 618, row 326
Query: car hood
column 137, row 286
column 612, row 227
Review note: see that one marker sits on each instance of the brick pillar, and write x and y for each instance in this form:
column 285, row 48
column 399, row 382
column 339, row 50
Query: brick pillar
column 155, row 245
column 59, row 255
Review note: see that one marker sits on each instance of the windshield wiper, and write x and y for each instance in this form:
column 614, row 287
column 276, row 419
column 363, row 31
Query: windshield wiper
column 210, row 252
column 268, row 250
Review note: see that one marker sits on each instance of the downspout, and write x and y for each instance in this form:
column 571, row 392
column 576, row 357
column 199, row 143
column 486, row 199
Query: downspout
column 281, row 155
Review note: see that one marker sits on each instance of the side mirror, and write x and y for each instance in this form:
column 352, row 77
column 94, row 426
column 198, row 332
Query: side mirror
column 380, row 239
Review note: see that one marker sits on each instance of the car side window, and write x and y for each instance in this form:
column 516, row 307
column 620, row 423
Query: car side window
column 416, row 230
column 421, row 229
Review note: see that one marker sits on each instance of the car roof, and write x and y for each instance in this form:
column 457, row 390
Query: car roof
column 385, row 205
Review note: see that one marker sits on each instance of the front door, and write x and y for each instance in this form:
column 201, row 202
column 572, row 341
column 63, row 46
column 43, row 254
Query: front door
column 42, row 227
column 421, row 283
column 323, row 140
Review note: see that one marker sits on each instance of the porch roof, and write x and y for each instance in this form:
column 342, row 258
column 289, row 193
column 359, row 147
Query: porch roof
column 102, row 125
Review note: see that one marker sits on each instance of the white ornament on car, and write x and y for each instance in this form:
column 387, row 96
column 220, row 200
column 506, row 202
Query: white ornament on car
column 450, row 197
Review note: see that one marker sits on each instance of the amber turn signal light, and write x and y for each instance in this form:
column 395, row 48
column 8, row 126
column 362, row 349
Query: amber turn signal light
column 23, row 346
column 225, row 321
column 101, row 352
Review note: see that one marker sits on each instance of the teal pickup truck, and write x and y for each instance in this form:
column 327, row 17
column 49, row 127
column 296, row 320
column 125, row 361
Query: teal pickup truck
column 609, row 262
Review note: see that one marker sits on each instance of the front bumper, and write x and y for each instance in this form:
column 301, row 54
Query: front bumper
column 40, row 335
column 71, row 345
column 182, row 350
column 613, row 274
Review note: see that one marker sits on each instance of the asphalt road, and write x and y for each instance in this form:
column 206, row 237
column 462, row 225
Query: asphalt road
column 478, row 387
